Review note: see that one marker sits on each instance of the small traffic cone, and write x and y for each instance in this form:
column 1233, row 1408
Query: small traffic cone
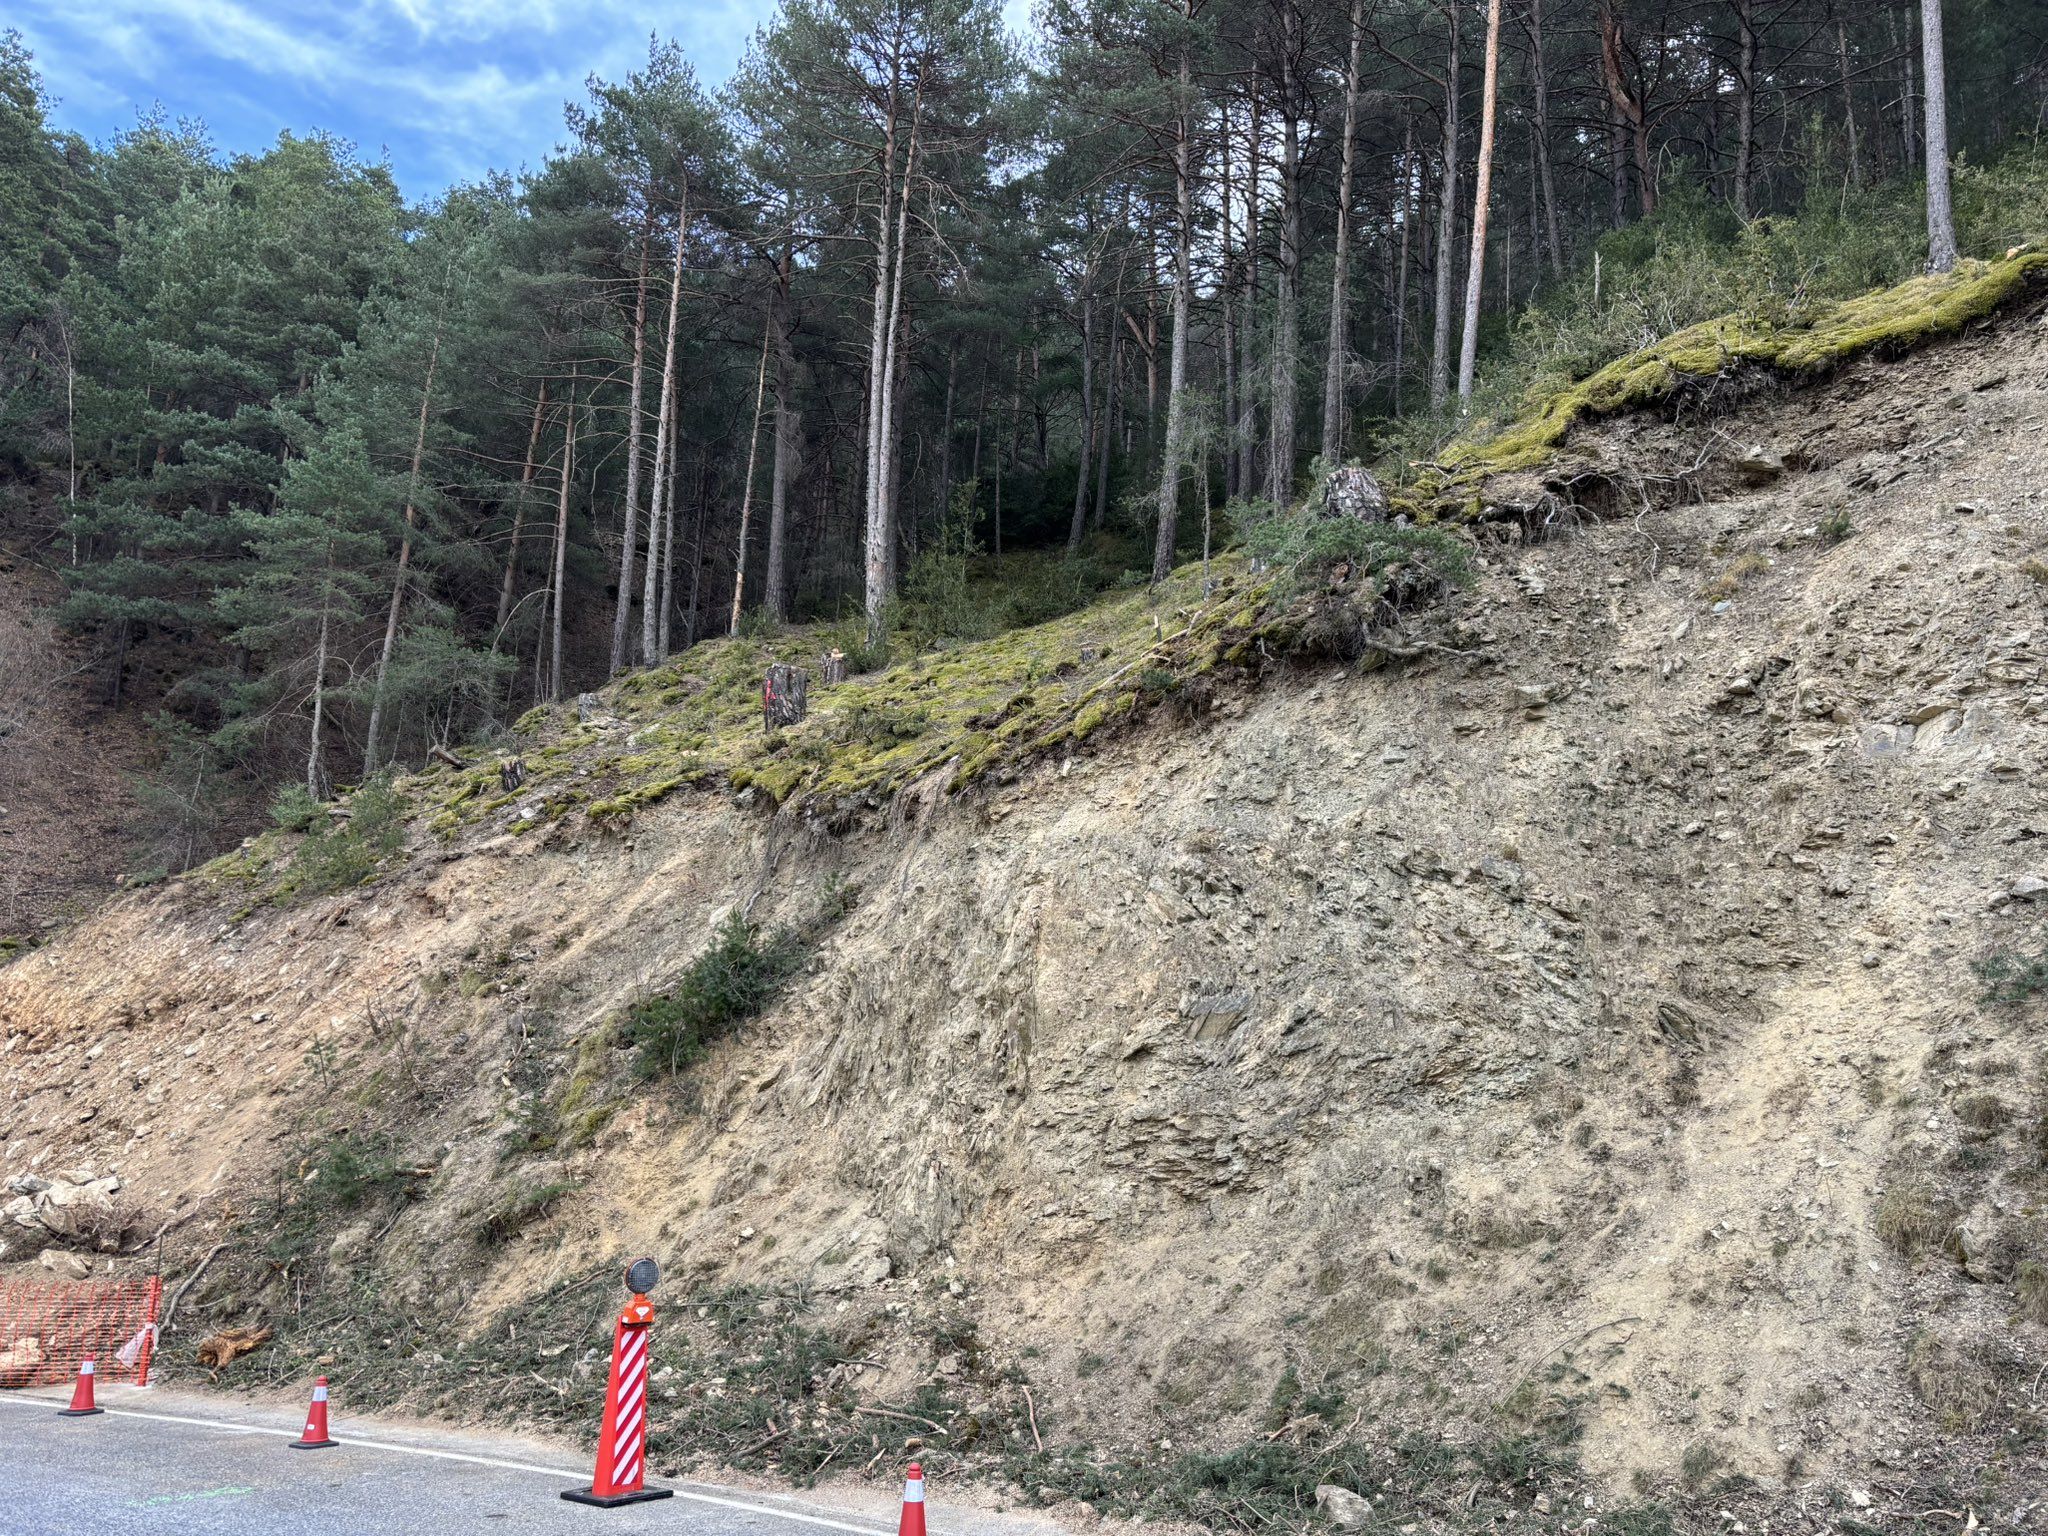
column 912, row 1523
column 315, row 1437
column 81, row 1395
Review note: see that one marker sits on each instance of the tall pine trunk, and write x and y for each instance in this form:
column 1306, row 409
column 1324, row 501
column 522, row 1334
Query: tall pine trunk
column 1482, row 201
column 1539, row 129
column 1941, row 219
column 1183, row 277
column 1078, row 525
column 1409, row 212
column 1108, row 444
column 1848, row 96
column 1340, row 280
column 775, row 589
column 739, row 559
column 1745, row 109
column 667, row 596
column 1446, row 227
column 412, row 522
column 315, row 779
column 1287, row 282
column 632, row 525
column 507, row 587
column 659, row 522
column 561, row 576
column 1630, row 106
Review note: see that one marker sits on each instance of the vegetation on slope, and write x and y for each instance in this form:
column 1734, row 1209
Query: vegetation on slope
column 957, row 712
column 1794, row 345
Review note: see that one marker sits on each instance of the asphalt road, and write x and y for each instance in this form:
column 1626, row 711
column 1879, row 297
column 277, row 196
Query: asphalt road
column 161, row 1464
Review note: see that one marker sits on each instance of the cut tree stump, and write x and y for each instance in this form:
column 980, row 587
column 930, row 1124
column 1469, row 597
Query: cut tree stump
column 1352, row 492
column 784, row 696
column 833, row 667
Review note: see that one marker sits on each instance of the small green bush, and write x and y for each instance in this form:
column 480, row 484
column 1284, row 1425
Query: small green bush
column 295, row 809
column 347, row 853
column 1305, row 545
column 730, row 983
column 2012, row 977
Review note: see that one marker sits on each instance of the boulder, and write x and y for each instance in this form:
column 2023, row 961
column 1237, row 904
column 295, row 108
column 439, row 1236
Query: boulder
column 65, row 1265
column 1759, row 464
column 1341, row 1507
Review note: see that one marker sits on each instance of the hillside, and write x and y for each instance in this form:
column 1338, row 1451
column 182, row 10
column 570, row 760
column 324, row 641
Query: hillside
column 1562, row 1036
column 67, row 762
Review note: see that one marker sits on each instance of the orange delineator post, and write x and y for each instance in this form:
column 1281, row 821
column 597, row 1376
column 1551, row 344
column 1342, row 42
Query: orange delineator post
column 621, row 1473
column 314, row 1436
column 81, row 1395
column 154, row 1302
column 912, row 1523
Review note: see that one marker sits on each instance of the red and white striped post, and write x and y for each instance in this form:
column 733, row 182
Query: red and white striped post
column 621, row 1473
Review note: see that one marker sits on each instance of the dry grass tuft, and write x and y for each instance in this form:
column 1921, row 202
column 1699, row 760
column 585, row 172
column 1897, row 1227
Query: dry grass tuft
column 1912, row 1217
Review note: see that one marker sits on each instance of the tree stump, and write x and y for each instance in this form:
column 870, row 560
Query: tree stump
column 1352, row 492
column 784, row 696
column 834, row 667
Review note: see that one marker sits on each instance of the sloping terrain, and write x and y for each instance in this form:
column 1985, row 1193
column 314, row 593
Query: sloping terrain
column 1565, row 1038
column 66, row 764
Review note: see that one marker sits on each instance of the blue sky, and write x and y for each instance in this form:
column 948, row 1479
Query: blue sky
column 448, row 88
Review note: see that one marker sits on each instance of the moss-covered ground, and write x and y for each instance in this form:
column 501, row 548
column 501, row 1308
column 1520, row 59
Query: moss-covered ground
column 1796, row 345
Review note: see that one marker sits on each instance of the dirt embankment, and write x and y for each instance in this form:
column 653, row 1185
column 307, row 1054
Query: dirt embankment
column 1573, row 1031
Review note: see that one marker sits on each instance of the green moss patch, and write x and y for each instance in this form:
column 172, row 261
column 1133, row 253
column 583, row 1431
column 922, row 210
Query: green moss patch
column 1889, row 320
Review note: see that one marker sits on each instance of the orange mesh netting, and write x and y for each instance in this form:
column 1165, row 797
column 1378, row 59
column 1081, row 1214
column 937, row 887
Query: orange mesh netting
column 46, row 1329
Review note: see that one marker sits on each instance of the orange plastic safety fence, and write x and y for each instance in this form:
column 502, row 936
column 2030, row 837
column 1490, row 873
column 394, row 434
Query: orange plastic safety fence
column 46, row 1329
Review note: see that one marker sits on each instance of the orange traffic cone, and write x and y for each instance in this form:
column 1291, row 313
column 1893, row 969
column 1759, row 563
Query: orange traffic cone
column 315, row 1437
column 912, row 1523
column 81, row 1395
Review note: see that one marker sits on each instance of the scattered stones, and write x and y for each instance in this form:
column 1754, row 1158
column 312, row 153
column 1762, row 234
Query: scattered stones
column 2028, row 888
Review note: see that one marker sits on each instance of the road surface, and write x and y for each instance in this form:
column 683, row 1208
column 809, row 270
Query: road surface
column 160, row 1463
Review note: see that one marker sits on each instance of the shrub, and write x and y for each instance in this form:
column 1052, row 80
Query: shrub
column 730, row 983
column 2012, row 977
column 295, row 809
column 1304, row 545
column 1964, row 1382
column 2030, row 1290
column 348, row 853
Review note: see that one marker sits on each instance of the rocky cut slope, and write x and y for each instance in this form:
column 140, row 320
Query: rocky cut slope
column 1603, row 1033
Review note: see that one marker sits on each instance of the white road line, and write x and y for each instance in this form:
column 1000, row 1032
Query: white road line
column 463, row 1456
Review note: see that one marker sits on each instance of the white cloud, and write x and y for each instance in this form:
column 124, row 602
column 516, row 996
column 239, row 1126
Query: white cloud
column 461, row 84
